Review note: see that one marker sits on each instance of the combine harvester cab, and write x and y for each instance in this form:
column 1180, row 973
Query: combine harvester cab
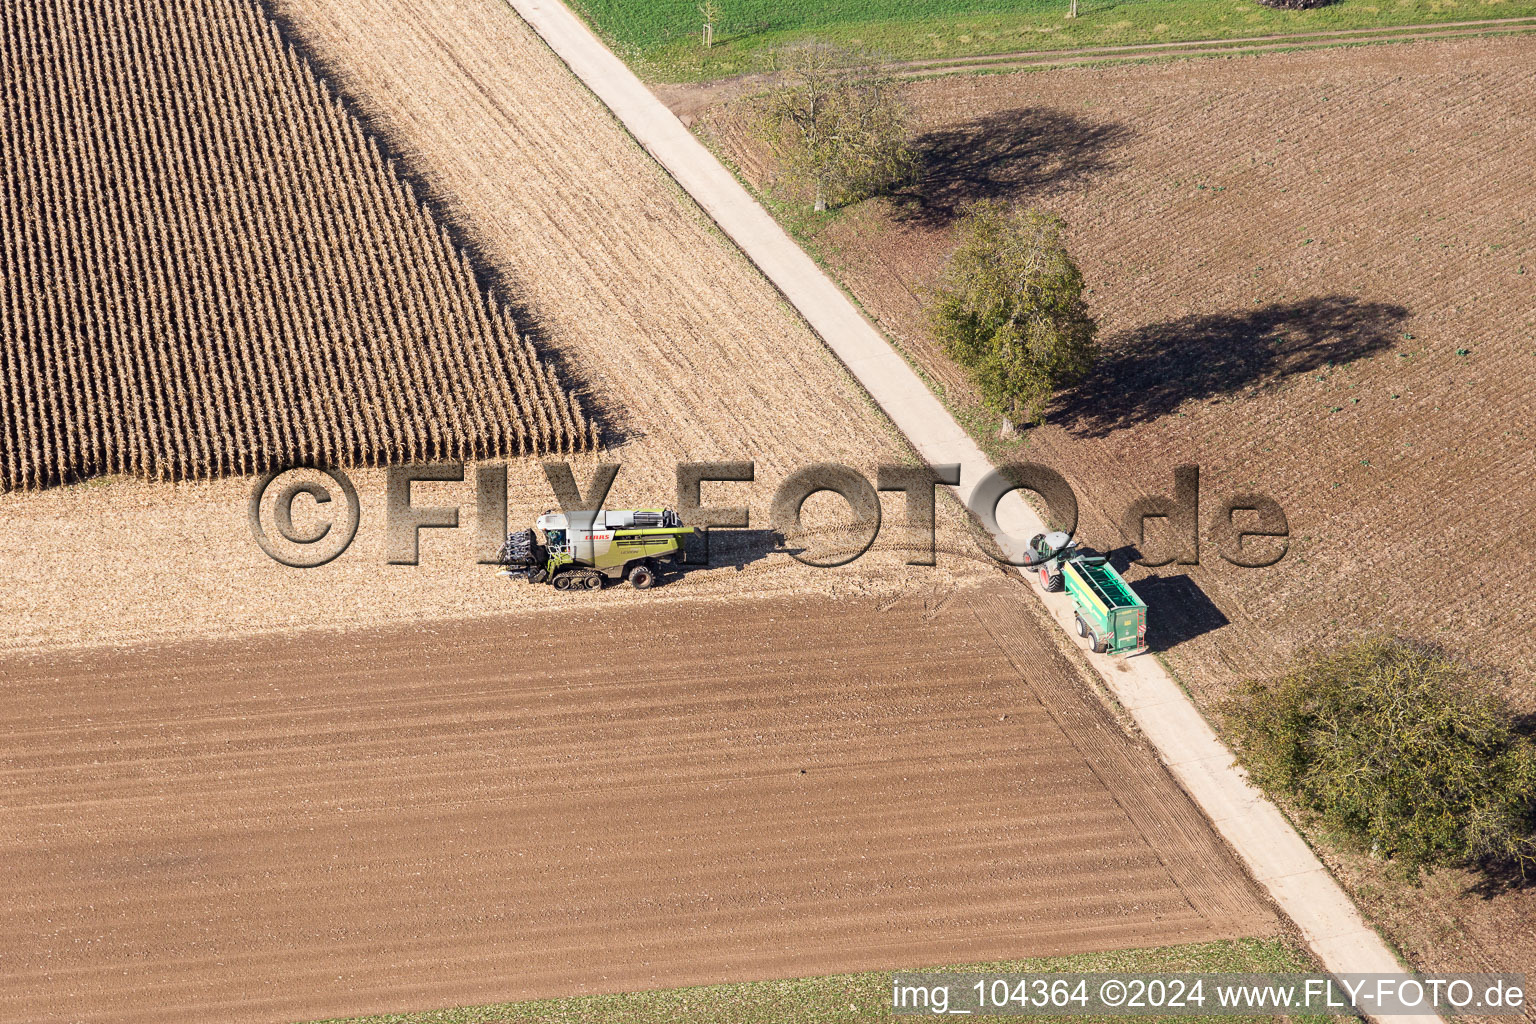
column 1109, row 614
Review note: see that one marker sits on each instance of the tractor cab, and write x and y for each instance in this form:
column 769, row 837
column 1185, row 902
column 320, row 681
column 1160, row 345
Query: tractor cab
column 1045, row 546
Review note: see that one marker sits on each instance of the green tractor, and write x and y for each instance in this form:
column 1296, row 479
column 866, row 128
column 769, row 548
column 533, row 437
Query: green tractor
column 579, row 550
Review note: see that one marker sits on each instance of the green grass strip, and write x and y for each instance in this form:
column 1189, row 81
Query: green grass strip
column 662, row 37
column 850, row 998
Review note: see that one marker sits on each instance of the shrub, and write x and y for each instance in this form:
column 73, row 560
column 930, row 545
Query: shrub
column 1402, row 749
column 1295, row 5
column 1011, row 309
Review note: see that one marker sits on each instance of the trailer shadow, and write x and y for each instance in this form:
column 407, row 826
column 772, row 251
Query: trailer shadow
column 1177, row 610
column 1008, row 155
column 1149, row 372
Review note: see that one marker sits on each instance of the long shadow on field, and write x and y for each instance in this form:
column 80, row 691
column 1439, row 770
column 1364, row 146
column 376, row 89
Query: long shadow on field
column 1149, row 372
column 1008, row 155
column 719, row 547
column 1177, row 610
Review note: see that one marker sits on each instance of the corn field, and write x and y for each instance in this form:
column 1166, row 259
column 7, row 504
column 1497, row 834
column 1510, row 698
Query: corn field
column 210, row 267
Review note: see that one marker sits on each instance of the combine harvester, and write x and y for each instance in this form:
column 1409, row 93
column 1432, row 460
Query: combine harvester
column 1109, row 614
column 578, row 550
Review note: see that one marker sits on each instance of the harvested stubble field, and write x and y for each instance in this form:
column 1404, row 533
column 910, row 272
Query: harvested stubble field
column 1314, row 277
column 210, row 267
column 303, row 827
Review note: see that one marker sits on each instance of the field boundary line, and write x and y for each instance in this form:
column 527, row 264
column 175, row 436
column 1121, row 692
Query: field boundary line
column 1263, row 838
column 1381, row 33
column 1045, row 60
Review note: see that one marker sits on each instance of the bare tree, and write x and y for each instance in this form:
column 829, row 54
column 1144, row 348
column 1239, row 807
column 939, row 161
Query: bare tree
column 836, row 123
column 710, row 12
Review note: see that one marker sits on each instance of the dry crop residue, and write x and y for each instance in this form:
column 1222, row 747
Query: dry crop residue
column 295, row 828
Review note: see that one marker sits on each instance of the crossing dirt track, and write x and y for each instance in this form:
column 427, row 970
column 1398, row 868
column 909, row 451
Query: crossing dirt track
column 297, row 828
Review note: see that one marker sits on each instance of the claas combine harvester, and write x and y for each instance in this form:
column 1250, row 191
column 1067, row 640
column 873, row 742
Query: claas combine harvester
column 579, row 550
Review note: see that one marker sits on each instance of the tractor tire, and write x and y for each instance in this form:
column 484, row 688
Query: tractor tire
column 563, row 581
column 642, row 577
column 1049, row 582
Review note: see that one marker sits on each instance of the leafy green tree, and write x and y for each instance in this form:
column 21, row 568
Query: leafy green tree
column 1399, row 747
column 1010, row 308
column 836, row 123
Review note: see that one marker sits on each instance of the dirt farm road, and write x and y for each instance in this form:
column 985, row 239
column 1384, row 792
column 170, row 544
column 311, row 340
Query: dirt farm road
column 301, row 827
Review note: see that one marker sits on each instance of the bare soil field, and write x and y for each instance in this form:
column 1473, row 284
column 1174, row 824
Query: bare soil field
column 681, row 349
column 307, row 826
column 1313, row 273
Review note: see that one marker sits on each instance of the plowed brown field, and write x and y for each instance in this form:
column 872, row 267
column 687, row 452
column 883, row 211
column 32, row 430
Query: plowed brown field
column 1286, row 254
column 1315, row 277
column 296, row 828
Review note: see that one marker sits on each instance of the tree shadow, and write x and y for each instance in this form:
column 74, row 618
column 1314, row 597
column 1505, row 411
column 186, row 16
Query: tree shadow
column 1148, row 372
column 1006, row 155
column 1177, row 610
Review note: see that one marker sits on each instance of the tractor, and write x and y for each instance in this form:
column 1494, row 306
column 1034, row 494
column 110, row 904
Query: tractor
column 579, row 550
column 1109, row 614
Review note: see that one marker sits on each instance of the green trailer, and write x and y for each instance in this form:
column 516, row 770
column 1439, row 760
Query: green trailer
column 1109, row 614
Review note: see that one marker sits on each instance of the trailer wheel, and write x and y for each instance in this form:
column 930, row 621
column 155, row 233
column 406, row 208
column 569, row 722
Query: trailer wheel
column 1099, row 646
column 642, row 577
column 1082, row 627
